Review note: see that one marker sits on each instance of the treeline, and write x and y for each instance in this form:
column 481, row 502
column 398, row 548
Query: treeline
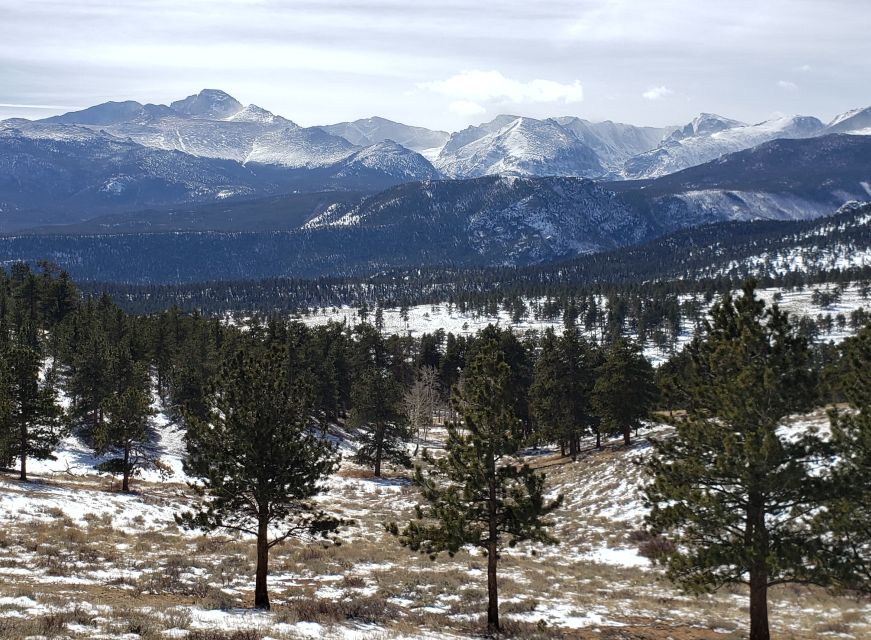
column 703, row 261
column 736, row 497
column 107, row 363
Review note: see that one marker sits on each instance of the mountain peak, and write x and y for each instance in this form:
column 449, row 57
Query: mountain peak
column 253, row 113
column 853, row 121
column 208, row 103
column 705, row 124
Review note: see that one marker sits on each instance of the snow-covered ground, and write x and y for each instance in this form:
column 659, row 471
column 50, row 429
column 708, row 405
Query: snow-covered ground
column 430, row 318
column 76, row 553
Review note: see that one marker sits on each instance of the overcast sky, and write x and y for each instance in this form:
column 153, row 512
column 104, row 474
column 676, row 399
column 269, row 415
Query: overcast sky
column 444, row 64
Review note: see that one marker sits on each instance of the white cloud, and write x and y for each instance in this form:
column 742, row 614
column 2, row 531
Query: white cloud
column 805, row 68
column 484, row 86
column 657, row 93
column 51, row 107
column 466, row 108
column 786, row 85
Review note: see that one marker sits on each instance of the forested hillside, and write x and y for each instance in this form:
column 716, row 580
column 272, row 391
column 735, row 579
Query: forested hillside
column 262, row 417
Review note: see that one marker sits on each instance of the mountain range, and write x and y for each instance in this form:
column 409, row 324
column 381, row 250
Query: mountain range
column 487, row 221
column 122, row 156
column 373, row 194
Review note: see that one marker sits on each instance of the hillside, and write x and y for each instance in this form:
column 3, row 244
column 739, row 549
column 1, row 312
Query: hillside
column 79, row 559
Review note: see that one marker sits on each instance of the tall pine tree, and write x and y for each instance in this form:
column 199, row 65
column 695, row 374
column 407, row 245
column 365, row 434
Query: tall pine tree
column 729, row 489
column 124, row 432
column 845, row 523
column 33, row 415
column 625, row 389
column 376, row 404
column 562, row 388
column 257, row 460
column 480, row 493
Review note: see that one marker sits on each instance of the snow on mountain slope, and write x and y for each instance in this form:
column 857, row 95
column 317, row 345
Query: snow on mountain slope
column 505, row 220
column 110, row 113
column 715, row 205
column 784, row 179
column 856, row 121
column 370, row 131
column 705, row 124
column 253, row 113
column 213, row 124
column 71, row 171
column 298, row 147
column 211, row 104
column 387, row 157
column 517, row 146
column 614, row 142
column 710, row 137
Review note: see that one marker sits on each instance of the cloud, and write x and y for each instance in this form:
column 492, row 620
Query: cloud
column 51, row 107
column 466, row 108
column 657, row 93
column 805, row 68
column 786, row 85
column 484, row 86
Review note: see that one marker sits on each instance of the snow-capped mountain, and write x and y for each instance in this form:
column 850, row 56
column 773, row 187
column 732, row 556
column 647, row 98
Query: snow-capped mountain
column 709, row 137
column 60, row 173
column 856, row 122
column 213, row 124
column 120, row 156
column 53, row 173
column 110, row 113
column 785, row 179
column 705, row 124
column 614, row 142
column 370, row 131
column 298, row 147
column 512, row 145
column 387, row 157
column 495, row 219
column 210, row 104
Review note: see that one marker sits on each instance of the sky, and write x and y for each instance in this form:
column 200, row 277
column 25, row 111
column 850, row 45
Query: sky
column 444, row 64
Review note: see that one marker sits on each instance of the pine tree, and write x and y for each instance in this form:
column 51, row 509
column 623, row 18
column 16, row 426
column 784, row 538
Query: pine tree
column 195, row 365
column 7, row 433
column 125, row 429
column 562, row 387
column 845, row 523
column 90, row 380
column 728, row 489
column 32, row 414
column 624, row 391
column 480, row 493
column 258, row 461
column 376, row 411
column 376, row 403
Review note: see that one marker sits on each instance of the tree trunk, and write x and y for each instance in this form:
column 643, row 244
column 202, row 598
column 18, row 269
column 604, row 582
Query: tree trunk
column 759, row 604
column 125, row 482
column 492, row 589
column 598, row 439
column 573, row 446
column 758, row 570
column 492, row 557
column 261, row 592
column 379, row 447
column 627, row 435
column 22, row 451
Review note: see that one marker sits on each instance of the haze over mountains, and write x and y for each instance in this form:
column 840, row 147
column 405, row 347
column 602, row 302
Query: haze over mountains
column 514, row 190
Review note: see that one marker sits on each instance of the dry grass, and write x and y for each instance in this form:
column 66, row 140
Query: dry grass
column 155, row 579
